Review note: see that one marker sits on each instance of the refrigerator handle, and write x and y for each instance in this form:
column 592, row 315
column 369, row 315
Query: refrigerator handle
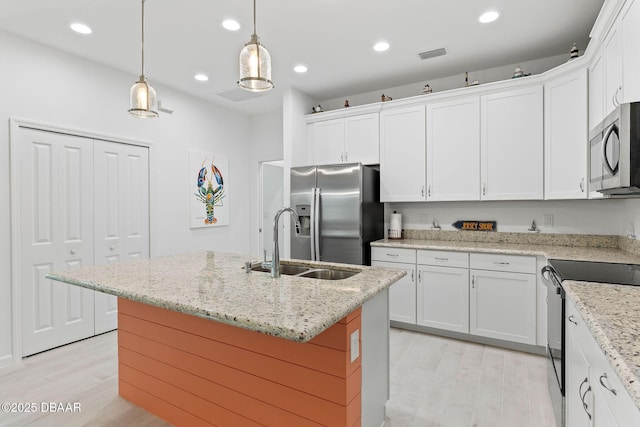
column 316, row 219
column 312, row 232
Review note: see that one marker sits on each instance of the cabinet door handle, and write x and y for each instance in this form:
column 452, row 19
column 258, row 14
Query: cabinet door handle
column 429, row 191
column 571, row 319
column 394, row 255
column 582, row 185
column 422, row 191
column 473, row 282
column 442, row 259
column 412, row 272
column 501, row 263
column 583, row 395
column 612, row 390
column 484, row 188
column 419, row 276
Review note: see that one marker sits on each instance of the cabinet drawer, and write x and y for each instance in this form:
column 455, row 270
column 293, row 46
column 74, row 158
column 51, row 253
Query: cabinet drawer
column 495, row 262
column 443, row 258
column 393, row 255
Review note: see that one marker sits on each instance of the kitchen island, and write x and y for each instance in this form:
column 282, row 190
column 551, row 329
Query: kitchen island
column 203, row 342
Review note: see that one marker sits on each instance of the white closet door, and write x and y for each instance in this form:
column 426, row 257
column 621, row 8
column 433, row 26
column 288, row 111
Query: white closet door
column 56, row 233
column 121, row 215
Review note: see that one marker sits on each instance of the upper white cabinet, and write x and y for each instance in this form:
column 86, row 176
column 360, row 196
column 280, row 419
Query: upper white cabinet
column 512, row 145
column 362, row 139
column 596, row 91
column 565, row 137
column 402, row 154
column 631, row 51
column 612, row 51
column 346, row 140
column 453, row 150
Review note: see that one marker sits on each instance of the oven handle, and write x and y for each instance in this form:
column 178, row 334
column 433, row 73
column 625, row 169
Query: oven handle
column 549, row 276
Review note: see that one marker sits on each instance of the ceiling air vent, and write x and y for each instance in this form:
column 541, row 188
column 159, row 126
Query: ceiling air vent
column 432, row 53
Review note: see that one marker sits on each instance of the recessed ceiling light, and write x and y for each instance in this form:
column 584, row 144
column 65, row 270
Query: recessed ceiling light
column 80, row 28
column 300, row 69
column 231, row 25
column 201, row 77
column 381, row 46
column 489, row 16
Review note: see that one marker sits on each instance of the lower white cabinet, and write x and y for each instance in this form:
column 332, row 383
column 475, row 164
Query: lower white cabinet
column 502, row 301
column 595, row 396
column 402, row 294
column 443, row 290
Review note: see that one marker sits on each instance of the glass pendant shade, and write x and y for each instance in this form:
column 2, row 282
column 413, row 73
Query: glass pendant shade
column 255, row 67
column 143, row 99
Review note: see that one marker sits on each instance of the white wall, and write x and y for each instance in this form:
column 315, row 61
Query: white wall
column 603, row 216
column 536, row 66
column 44, row 85
column 265, row 145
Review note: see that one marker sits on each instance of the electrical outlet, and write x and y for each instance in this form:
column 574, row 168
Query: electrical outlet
column 355, row 345
column 548, row 220
column 424, row 218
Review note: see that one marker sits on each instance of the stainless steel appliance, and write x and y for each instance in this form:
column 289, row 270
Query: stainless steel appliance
column 554, row 273
column 615, row 152
column 340, row 212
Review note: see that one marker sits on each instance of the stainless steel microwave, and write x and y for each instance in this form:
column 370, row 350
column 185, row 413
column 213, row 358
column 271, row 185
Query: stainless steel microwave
column 615, row 152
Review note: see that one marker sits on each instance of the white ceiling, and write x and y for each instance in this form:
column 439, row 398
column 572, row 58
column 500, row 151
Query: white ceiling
column 333, row 38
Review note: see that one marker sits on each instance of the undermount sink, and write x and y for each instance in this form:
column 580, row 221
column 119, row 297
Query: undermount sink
column 288, row 269
column 328, row 274
column 308, row 272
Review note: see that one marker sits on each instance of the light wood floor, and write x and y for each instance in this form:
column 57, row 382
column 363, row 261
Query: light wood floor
column 434, row 382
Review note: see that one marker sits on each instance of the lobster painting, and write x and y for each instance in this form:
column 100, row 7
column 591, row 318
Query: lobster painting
column 208, row 193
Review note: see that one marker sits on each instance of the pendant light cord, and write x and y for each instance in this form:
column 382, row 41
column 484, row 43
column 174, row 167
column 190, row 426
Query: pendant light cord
column 143, row 37
column 254, row 18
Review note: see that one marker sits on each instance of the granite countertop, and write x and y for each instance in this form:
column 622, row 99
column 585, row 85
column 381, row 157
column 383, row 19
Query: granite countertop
column 577, row 253
column 215, row 286
column 612, row 315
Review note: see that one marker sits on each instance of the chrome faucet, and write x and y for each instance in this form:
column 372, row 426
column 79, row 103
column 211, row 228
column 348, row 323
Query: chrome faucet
column 275, row 259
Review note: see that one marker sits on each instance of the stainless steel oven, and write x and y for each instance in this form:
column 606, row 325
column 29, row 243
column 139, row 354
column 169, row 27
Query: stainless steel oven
column 555, row 342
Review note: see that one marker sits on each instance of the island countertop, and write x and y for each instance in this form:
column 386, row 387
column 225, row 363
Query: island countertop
column 215, row 286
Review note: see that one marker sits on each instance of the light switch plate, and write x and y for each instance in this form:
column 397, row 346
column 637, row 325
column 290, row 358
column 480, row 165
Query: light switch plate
column 355, row 345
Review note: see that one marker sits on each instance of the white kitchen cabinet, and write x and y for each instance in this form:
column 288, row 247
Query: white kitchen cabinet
column 608, row 401
column 353, row 139
column 630, row 51
column 328, row 141
column 453, row 150
column 566, row 137
column 578, row 393
column 512, row 145
column 402, row 294
column 362, row 139
column 403, row 154
column 596, row 91
column 502, row 301
column 443, row 290
column 612, row 51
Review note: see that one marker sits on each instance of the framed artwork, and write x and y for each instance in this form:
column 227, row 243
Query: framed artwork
column 208, row 189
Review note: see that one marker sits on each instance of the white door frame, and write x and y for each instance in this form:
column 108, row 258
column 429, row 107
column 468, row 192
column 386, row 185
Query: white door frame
column 261, row 224
column 14, row 129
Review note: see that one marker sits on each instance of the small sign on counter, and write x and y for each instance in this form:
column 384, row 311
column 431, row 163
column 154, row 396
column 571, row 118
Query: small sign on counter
column 475, row 225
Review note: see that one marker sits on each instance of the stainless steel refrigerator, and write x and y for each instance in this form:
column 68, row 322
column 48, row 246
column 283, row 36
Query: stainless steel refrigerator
column 340, row 212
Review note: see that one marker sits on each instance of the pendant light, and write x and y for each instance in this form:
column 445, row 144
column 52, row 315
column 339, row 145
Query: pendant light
column 143, row 96
column 255, row 63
